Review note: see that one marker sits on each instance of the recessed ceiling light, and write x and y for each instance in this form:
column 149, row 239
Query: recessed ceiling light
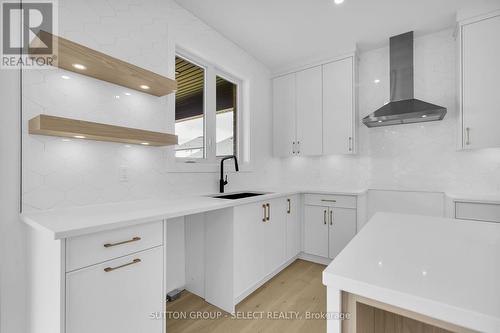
column 424, row 116
column 65, row 140
column 376, row 81
column 145, row 87
column 127, row 94
column 338, row 2
column 79, row 137
column 79, row 66
column 379, row 121
column 65, row 77
column 145, row 143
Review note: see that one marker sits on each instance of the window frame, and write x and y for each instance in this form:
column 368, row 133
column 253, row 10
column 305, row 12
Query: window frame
column 210, row 161
column 197, row 62
column 230, row 78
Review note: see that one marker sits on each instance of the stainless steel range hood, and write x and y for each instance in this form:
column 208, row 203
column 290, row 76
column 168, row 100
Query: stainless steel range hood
column 403, row 107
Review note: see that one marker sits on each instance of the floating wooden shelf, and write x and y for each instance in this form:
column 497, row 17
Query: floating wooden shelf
column 103, row 67
column 71, row 128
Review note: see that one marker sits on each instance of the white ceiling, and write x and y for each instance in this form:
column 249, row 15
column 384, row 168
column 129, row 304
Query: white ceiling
column 286, row 33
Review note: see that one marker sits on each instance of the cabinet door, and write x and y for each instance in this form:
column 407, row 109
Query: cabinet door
column 248, row 245
column 338, row 107
column 292, row 226
column 481, row 94
column 316, row 230
column 284, row 115
column 274, row 235
column 342, row 229
column 309, row 112
column 120, row 300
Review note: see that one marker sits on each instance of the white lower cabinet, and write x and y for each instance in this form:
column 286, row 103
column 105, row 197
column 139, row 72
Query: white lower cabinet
column 117, row 296
column 477, row 211
column 328, row 228
column 293, row 243
column 109, row 281
column 316, row 230
column 260, row 235
column 342, row 229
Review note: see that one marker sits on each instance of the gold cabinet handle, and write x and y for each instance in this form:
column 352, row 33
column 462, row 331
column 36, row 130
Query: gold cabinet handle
column 265, row 213
column 293, row 148
column 331, row 217
column 135, row 239
column 110, row 269
column 324, row 217
column 467, row 136
column 328, row 200
column 298, row 147
column 289, row 206
column 268, row 211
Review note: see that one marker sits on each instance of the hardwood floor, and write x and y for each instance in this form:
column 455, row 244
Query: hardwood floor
column 297, row 292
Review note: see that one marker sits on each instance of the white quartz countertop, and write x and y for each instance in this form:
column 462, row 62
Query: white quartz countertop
column 76, row 221
column 443, row 268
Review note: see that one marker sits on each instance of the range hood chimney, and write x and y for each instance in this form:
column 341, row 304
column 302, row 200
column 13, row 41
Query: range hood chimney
column 403, row 107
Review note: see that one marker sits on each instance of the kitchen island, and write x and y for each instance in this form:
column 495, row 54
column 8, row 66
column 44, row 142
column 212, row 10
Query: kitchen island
column 417, row 271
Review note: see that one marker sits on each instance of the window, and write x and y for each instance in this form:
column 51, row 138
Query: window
column 207, row 113
column 226, row 124
column 190, row 109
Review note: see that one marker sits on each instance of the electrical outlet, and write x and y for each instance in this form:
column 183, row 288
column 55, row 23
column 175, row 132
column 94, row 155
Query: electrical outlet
column 123, row 174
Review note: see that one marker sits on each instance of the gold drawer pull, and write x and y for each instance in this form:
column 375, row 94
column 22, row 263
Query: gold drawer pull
column 110, row 269
column 135, row 239
column 328, row 200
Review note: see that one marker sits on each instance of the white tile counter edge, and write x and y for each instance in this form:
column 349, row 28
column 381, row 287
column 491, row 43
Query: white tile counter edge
column 77, row 221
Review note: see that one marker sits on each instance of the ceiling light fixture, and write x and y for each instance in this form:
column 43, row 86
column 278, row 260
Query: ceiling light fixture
column 79, row 66
column 145, row 87
column 376, row 81
column 424, row 116
column 127, row 94
column 79, row 137
column 65, row 77
column 338, row 2
column 145, row 143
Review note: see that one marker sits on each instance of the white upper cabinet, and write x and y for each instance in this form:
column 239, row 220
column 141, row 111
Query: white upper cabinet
column 315, row 110
column 309, row 112
column 338, row 107
column 284, row 119
column 480, row 93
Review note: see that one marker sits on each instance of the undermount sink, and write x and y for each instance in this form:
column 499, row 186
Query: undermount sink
column 240, row 195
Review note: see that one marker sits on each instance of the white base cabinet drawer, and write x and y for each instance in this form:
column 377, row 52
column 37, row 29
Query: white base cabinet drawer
column 328, row 200
column 117, row 296
column 91, row 249
column 477, row 211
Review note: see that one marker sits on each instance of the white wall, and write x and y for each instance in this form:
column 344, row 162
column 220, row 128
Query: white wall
column 411, row 157
column 61, row 173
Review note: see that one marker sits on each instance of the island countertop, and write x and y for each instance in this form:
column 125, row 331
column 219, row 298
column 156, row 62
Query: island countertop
column 442, row 268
